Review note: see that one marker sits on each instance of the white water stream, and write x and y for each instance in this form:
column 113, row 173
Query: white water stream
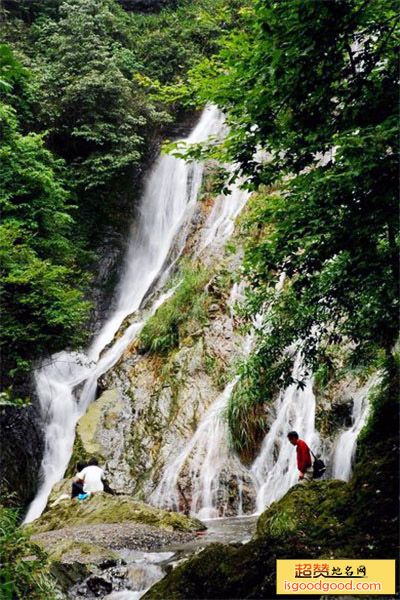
column 221, row 221
column 274, row 470
column 344, row 450
column 204, row 456
column 67, row 383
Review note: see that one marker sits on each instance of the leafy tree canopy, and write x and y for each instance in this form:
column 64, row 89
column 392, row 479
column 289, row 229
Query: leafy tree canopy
column 310, row 93
column 87, row 96
column 42, row 304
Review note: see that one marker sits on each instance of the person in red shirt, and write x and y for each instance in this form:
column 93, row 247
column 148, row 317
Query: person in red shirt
column 304, row 462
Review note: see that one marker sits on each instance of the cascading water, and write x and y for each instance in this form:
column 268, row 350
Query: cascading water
column 67, row 384
column 221, row 221
column 204, row 456
column 208, row 452
column 274, row 471
column 345, row 446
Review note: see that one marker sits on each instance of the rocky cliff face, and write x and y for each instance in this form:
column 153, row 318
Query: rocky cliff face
column 21, row 450
column 152, row 403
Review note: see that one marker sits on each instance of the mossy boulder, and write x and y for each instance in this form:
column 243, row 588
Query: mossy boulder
column 72, row 551
column 105, row 508
column 95, row 429
column 104, row 413
column 319, row 508
column 311, row 521
column 289, row 528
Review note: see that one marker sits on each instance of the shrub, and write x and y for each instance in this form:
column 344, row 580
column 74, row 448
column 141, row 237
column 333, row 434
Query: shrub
column 183, row 312
column 24, row 567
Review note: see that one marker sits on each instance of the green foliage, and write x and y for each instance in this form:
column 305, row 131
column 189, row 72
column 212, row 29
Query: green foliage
column 11, row 70
column 384, row 414
column 24, row 567
column 171, row 43
column 94, row 109
column 185, row 310
column 108, row 81
column 247, row 416
column 42, row 304
column 88, row 91
column 217, row 369
column 309, row 89
column 7, row 399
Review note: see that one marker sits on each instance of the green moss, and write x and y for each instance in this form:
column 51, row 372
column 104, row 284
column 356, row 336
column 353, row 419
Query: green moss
column 104, row 508
column 85, row 552
column 105, row 411
column 183, row 313
column 79, row 454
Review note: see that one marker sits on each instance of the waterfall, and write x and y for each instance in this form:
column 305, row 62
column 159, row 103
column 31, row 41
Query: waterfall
column 274, row 470
column 204, row 457
column 221, row 221
column 344, row 450
column 208, row 452
column 66, row 384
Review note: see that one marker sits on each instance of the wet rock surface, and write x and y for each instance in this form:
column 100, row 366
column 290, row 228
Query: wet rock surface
column 164, row 401
column 21, row 450
column 89, row 543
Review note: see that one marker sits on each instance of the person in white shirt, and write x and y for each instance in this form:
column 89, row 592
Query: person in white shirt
column 92, row 476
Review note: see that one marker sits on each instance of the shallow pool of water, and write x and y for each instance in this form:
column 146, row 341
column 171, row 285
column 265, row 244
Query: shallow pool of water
column 146, row 568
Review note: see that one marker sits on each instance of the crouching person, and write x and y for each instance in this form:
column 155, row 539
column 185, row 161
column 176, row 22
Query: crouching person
column 304, row 462
column 91, row 478
column 77, row 482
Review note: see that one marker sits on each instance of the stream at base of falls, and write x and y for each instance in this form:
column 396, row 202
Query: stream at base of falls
column 139, row 571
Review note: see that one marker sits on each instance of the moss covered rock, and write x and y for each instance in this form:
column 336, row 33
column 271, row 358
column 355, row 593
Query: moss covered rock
column 104, row 413
column 64, row 551
column 105, row 508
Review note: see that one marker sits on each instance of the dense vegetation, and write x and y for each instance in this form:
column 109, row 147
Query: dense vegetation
column 24, row 567
column 310, row 89
column 88, row 91
column 310, row 92
column 172, row 321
